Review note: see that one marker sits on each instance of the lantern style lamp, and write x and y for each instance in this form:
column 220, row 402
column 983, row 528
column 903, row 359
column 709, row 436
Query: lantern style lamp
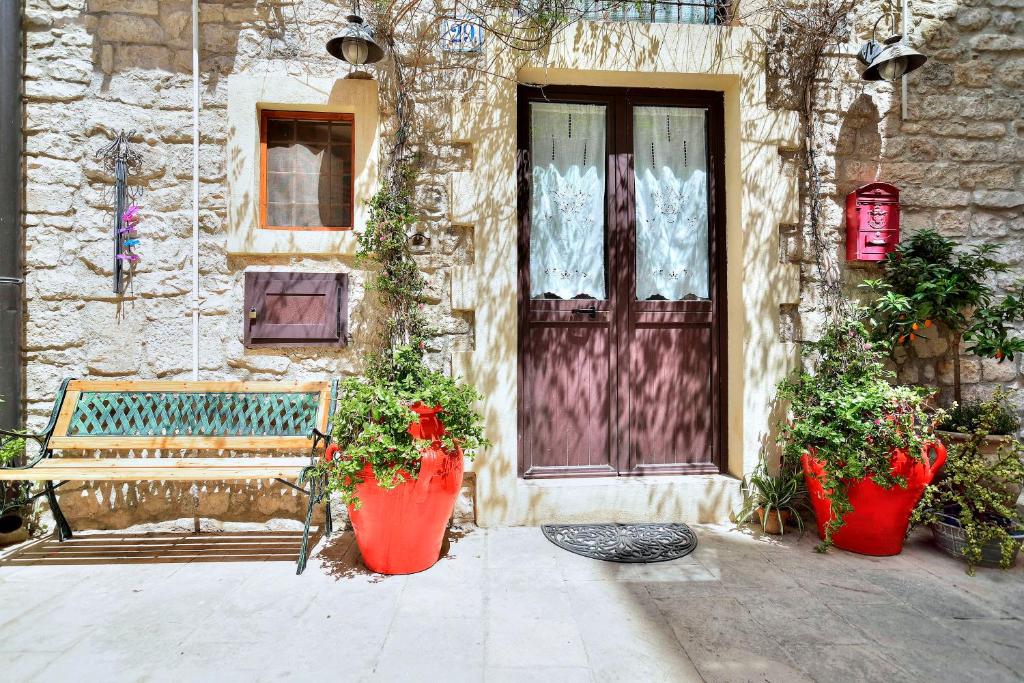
column 355, row 43
column 889, row 60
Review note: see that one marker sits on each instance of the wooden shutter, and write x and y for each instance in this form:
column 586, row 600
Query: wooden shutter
column 296, row 309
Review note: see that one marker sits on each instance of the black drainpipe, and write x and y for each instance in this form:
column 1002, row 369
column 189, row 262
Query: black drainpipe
column 11, row 283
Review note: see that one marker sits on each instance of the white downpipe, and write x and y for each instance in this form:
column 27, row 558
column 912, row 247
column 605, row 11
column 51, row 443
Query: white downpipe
column 903, row 81
column 195, row 190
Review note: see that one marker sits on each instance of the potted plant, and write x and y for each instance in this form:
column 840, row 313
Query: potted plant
column 773, row 498
column 865, row 445
column 399, row 436
column 13, row 524
column 972, row 509
column 930, row 286
column 991, row 422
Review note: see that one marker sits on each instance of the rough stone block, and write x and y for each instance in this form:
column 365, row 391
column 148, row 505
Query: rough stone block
column 935, row 198
column 970, row 370
column 130, row 28
column 462, row 199
column 128, row 57
column 998, row 199
column 997, row 43
column 145, row 7
column 993, row 370
column 989, row 225
column 463, row 288
column 973, row 18
column 930, row 346
column 54, row 91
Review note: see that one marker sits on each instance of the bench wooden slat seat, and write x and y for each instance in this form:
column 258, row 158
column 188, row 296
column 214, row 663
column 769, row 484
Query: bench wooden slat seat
column 168, row 416
column 159, row 469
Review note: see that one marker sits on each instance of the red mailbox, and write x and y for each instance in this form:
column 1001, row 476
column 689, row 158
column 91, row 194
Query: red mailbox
column 872, row 222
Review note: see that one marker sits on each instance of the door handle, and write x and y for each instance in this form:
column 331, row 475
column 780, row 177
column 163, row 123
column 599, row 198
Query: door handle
column 591, row 312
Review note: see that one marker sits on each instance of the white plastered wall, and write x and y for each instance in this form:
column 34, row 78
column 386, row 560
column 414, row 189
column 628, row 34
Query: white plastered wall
column 760, row 198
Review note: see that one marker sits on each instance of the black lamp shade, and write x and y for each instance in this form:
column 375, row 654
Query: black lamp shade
column 354, row 34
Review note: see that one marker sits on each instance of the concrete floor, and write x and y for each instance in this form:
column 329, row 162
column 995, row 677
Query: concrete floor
column 504, row 605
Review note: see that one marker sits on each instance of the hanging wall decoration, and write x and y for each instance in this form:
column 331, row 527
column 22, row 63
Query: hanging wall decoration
column 120, row 157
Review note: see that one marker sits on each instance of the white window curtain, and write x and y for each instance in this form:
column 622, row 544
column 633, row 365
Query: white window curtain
column 670, row 161
column 567, row 148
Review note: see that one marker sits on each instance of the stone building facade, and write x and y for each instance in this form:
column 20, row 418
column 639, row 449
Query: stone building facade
column 957, row 158
column 95, row 67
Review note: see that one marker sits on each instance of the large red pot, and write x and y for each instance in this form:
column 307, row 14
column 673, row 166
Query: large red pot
column 878, row 522
column 400, row 530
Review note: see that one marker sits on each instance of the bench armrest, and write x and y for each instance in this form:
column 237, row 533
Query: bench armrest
column 318, row 438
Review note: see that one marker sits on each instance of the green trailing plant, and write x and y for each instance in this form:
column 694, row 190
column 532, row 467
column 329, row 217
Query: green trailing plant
column 931, row 282
column 11, row 449
column 371, row 425
column 979, row 494
column 846, row 413
column 13, row 493
column 774, row 494
column 995, row 416
column 398, row 281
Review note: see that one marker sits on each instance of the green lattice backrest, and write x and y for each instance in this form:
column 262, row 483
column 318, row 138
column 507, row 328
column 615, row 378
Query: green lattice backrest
column 107, row 414
column 167, row 413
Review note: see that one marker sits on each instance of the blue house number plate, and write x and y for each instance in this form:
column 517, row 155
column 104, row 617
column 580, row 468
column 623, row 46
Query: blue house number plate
column 461, row 35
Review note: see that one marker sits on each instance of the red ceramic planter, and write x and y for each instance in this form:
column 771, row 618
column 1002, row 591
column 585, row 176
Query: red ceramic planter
column 400, row 530
column 878, row 522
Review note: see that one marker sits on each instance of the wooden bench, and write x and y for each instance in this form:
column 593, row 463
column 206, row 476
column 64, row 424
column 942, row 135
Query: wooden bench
column 123, row 416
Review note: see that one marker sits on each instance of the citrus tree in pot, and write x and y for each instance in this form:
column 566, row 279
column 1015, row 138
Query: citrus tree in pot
column 930, row 286
column 865, row 445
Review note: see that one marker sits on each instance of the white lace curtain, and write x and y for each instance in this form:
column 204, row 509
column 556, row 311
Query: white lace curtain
column 567, row 147
column 671, row 203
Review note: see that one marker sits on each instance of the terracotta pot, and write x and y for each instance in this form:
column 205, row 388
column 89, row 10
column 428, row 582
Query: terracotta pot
column 771, row 525
column 990, row 449
column 990, row 445
column 12, row 528
column 400, row 530
column 879, row 519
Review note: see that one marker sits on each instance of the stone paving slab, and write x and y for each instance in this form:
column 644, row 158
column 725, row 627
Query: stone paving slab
column 507, row 605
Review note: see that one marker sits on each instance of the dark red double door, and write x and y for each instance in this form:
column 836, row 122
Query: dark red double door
column 621, row 282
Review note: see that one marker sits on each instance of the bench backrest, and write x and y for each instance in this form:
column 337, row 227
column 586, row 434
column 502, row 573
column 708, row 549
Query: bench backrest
column 122, row 415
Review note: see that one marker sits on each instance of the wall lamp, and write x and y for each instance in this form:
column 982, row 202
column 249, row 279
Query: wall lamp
column 355, row 43
column 889, row 60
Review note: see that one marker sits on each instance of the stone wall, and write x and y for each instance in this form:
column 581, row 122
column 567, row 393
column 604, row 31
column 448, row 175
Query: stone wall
column 957, row 158
column 95, row 67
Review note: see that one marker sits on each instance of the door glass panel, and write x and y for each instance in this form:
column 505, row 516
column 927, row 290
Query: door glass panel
column 567, row 149
column 670, row 162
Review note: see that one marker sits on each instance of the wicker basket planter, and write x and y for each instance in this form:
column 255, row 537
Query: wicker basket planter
column 952, row 540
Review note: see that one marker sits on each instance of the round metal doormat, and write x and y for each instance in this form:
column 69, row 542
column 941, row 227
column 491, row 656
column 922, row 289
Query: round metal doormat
column 624, row 542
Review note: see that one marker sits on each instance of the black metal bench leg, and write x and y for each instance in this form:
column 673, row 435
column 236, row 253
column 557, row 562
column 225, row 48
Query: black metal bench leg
column 63, row 528
column 328, row 522
column 304, row 551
